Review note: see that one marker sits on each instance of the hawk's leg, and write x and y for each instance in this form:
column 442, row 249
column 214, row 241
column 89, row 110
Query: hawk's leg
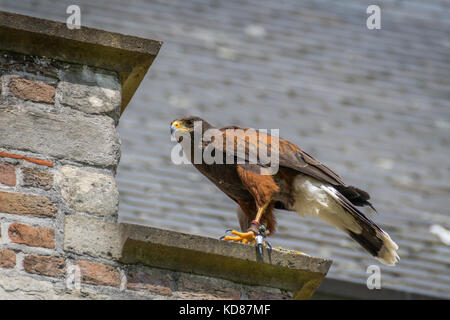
column 262, row 188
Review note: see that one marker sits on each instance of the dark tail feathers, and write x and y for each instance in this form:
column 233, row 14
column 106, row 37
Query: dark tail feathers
column 356, row 196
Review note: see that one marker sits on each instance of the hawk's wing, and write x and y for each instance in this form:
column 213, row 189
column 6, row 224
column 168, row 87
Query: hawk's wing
column 295, row 158
column 290, row 156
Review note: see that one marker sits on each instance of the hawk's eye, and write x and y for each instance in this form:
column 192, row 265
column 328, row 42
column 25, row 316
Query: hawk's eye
column 189, row 123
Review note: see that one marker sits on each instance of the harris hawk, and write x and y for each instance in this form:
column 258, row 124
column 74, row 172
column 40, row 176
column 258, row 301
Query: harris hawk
column 300, row 183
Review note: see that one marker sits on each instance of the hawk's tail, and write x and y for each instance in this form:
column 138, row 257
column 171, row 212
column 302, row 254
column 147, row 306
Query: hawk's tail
column 367, row 233
column 377, row 242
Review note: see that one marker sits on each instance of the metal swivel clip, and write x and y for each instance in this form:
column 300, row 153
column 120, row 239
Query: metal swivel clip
column 261, row 242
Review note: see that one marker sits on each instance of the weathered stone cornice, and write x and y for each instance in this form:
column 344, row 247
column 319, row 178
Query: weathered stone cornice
column 129, row 56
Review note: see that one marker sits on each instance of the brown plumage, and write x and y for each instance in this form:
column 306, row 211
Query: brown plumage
column 300, row 184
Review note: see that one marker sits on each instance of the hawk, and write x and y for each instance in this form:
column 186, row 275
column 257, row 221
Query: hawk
column 300, row 184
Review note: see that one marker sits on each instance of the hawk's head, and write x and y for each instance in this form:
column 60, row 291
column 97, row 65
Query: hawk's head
column 181, row 126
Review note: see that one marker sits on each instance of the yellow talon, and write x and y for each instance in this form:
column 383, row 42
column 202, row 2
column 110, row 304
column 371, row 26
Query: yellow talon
column 247, row 237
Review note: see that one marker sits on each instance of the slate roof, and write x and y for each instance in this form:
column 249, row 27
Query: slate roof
column 372, row 105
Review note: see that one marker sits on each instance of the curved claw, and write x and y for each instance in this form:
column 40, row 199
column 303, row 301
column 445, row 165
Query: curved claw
column 226, row 232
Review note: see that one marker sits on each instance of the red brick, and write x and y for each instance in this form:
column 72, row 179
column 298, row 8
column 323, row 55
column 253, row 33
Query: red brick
column 7, row 174
column 99, row 274
column 36, row 91
column 139, row 280
column 7, row 259
column 45, row 265
column 29, row 159
column 26, row 204
column 37, row 178
column 32, row 236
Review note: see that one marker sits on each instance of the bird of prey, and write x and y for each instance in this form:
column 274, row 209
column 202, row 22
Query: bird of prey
column 300, row 184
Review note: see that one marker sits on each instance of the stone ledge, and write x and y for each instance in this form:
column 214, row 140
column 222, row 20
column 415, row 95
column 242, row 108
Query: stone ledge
column 282, row 269
column 129, row 56
column 130, row 244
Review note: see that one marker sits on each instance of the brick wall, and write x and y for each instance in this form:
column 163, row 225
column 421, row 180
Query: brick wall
column 59, row 152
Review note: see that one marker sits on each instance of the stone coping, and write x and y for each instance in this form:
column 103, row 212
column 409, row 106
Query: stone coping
column 282, row 269
column 129, row 56
column 165, row 249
